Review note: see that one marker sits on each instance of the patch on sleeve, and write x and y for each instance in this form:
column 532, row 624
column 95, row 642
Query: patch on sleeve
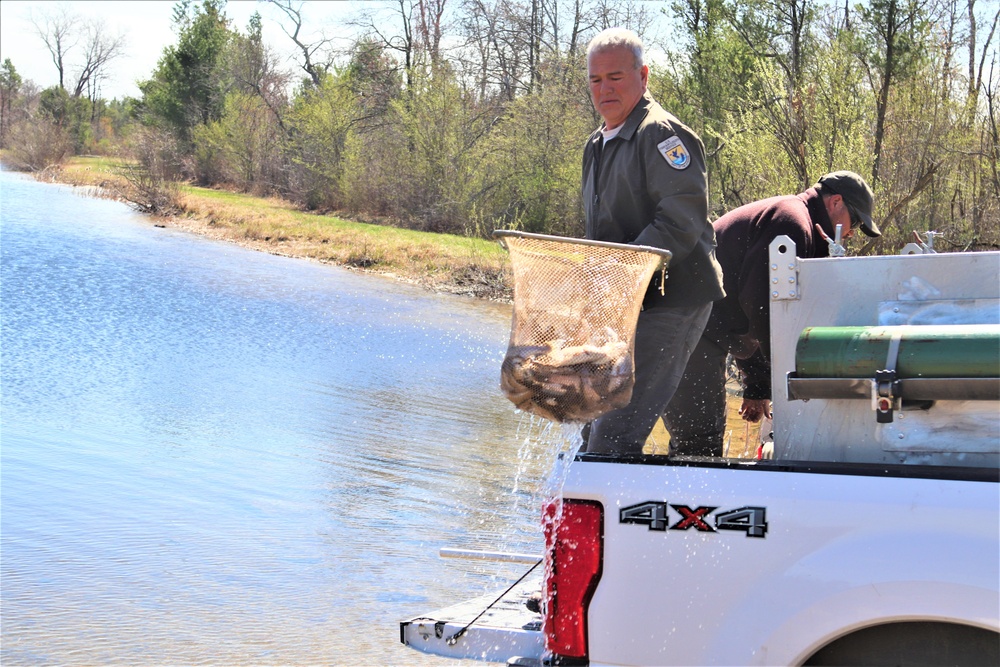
column 674, row 152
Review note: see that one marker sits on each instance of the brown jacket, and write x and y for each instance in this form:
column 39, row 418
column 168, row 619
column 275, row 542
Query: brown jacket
column 740, row 323
column 649, row 188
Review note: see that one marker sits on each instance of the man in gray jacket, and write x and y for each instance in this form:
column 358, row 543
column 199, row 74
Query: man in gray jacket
column 644, row 183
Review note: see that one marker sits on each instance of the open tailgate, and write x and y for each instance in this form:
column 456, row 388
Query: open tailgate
column 484, row 628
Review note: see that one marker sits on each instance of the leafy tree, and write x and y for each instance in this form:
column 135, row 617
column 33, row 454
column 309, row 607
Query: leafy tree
column 417, row 167
column 433, row 132
column 374, row 78
column 528, row 173
column 320, row 121
column 253, row 68
column 892, row 34
column 712, row 80
column 54, row 105
column 242, row 148
column 483, row 128
column 187, row 88
column 10, row 87
column 840, row 110
column 778, row 34
column 339, row 128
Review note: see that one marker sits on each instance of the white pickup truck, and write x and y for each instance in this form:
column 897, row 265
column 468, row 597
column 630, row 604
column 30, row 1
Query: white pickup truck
column 872, row 537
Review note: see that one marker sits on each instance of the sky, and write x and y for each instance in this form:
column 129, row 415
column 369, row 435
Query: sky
column 147, row 27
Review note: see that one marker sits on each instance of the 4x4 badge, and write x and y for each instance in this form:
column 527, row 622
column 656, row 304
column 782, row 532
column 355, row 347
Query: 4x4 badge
column 656, row 516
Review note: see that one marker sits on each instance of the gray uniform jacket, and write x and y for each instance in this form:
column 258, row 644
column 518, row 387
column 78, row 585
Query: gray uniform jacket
column 647, row 186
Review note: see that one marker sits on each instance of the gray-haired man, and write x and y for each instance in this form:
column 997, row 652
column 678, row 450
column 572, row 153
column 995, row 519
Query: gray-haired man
column 644, row 183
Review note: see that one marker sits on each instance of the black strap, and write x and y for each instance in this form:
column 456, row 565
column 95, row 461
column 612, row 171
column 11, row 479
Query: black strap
column 455, row 637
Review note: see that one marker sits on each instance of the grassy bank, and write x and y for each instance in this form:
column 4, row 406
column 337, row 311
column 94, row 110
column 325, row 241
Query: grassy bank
column 442, row 262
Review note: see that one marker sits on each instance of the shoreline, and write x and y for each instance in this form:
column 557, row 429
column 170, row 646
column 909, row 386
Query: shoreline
column 442, row 263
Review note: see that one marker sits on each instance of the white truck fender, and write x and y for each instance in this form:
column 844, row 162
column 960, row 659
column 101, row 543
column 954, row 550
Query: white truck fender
column 892, row 577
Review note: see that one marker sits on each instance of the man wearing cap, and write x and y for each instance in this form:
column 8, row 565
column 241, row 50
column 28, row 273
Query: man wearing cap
column 740, row 322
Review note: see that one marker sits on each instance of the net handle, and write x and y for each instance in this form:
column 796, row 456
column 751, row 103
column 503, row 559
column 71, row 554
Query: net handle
column 664, row 254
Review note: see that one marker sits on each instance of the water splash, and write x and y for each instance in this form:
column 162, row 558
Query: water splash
column 546, row 449
column 544, row 453
column 565, row 449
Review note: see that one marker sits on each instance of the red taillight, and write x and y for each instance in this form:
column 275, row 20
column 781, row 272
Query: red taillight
column 574, row 543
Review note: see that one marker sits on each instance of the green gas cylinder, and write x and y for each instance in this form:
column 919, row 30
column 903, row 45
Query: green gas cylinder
column 922, row 351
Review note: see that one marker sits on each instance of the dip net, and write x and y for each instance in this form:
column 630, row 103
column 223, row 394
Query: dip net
column 576, row 303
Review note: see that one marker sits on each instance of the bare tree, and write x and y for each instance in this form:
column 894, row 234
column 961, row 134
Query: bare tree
column 61, row 31
column 430, row 13
column 58, row 29
column 100, row 48
column 317, row 55
column 255, row 70
column 632, row 14
column 580, row 24
column 509, row 37
column 497, row 64
column 976, row 73
column 405, row 44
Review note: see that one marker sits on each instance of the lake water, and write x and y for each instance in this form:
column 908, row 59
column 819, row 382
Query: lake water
column 216, row 456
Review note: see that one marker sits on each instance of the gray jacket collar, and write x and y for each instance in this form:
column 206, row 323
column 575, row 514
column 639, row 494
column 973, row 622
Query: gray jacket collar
column 636, row 116
column 631, row 124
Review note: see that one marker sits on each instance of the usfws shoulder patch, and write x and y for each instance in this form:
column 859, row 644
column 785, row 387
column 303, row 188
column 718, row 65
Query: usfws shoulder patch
column 674, row 152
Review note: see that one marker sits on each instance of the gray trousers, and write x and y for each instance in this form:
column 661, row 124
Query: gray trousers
column 664, row 340
column 696, row 415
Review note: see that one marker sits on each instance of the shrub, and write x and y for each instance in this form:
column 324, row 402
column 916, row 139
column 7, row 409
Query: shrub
column 34, row 145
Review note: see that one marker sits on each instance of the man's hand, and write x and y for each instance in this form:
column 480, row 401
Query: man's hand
column 753, row 410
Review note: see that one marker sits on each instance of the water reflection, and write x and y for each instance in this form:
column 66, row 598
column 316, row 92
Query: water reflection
column 214, row 456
